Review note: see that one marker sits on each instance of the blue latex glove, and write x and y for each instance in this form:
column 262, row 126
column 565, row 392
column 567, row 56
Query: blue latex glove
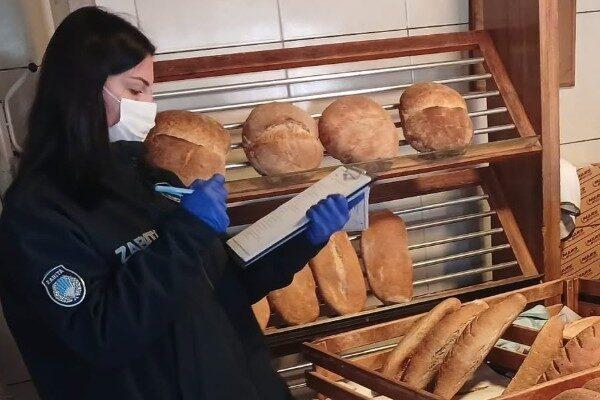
column 208, row 202
column 327, row 217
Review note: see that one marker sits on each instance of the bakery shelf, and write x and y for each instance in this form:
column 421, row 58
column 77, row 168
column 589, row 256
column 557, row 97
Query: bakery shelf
column 476, row 48
column 267, row 187
column 490, row 217
column 506, row 139
column 355, row 357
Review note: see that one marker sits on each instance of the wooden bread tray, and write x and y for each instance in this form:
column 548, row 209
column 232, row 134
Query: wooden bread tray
column 357, row 355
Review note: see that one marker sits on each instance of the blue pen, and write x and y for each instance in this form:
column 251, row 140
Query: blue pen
column 172, row 190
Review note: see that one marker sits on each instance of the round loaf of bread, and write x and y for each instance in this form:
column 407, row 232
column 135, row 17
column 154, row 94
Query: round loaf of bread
column 193, row 146
column 356, row 129
column 435, row 117
column 578, row 394
column 280, row 138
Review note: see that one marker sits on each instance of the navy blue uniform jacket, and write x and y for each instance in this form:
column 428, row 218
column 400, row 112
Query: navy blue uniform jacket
column 131, row 297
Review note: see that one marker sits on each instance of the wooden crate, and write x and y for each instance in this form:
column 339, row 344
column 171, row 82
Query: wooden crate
column 343, row 356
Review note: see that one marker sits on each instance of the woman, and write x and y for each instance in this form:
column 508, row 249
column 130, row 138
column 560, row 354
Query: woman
column 111, row 290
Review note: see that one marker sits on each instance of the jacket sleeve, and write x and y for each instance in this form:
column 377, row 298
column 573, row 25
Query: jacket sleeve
column 276, row 269
column 124, row 307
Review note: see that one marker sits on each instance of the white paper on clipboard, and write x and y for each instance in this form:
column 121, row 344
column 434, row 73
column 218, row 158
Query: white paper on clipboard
column 289, row 219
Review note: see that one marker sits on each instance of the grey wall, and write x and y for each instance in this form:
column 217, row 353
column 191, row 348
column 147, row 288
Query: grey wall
column 14, row 47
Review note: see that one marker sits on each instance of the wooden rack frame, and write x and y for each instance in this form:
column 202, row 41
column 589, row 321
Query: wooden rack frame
column 518, row 42
column 525, row 143
column 527, row 171
column 332, row 364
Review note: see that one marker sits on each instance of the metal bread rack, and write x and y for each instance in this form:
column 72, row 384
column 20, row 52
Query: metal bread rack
column 495, row 255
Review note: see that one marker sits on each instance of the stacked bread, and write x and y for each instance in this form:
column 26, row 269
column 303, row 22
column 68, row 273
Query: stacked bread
column 442, row 350
column 434, row 117
column 336, row 273
column 280, row 138
column 193, row 146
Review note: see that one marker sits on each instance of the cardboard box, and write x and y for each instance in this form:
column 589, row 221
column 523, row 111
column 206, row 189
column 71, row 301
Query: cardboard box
column 581, row 252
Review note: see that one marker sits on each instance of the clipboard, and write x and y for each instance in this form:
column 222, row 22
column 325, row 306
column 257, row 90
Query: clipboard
column 289, row 219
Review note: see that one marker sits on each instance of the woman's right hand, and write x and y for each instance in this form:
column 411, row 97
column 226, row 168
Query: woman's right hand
column 208, row 202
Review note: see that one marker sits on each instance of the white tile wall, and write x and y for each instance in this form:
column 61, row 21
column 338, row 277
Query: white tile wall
column 580, row 119
column 588, row 5
column 124, row 8
column 314, row 18
column 581, row 153
column 189, row 24
column 439, row 73
column 579, row 116
column 423, row 13
column 14, row 46
column 335, row 85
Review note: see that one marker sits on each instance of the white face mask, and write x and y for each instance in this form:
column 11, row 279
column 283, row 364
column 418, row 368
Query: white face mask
column 136, row 120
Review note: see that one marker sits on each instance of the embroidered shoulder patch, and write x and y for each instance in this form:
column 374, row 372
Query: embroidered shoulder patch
column 64, row 286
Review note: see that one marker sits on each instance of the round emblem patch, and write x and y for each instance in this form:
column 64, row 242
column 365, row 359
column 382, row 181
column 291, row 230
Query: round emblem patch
column 64, row 286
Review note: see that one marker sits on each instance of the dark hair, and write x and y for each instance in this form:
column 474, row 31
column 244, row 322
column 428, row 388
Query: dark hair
column 68, row 133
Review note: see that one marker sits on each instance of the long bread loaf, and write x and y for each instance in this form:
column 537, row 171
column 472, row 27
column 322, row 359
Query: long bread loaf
column 546, row 345
column 428, row 358
column 399, row 356
column 475, row 343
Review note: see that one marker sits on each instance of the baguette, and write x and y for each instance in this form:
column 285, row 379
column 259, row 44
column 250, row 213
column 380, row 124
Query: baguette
column 581, row 352
column 574, row 328
column 594, row 385
column 546, row 345
column 577, row 394
column 420, row 329
column 338, row 274
column 475, row 343
column 297, row 303
column 428, row 358
column 386, row 257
